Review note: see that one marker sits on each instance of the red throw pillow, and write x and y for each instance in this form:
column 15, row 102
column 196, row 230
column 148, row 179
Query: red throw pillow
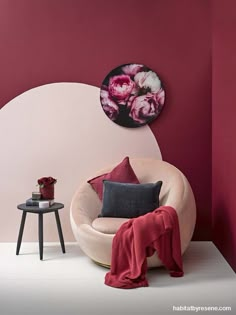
column 122, row 173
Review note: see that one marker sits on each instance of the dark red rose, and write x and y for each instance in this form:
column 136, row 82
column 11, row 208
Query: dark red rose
column 45, row 181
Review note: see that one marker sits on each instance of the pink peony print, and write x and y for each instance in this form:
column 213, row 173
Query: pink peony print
column 109, row 106
column 160, row 97
column 104, row 95
column 143, row 108
column 111, row 110
column 120, row 88
column 148, row 81
column 132, row 95
column 132, row 69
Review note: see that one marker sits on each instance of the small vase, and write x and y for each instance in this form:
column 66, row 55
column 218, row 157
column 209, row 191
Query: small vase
column 47, row 192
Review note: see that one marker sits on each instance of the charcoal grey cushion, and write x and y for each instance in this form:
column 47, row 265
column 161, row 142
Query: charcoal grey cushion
column 124, row 200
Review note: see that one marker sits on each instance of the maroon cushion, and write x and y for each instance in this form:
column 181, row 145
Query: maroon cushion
column 122, row 173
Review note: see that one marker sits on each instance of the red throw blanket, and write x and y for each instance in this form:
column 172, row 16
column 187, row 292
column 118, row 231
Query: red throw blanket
column 138, row 239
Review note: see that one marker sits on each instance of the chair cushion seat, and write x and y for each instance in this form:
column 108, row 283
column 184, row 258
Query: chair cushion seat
column 108, row 225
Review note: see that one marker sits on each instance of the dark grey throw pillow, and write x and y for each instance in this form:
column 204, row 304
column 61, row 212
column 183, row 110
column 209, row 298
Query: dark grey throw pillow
column 129, row 200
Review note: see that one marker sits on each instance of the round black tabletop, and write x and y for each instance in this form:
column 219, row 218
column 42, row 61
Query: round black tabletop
column 36, row 209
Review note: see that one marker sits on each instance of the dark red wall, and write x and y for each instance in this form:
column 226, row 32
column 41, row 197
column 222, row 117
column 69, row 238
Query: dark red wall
column 82, row 40
column 224, row 129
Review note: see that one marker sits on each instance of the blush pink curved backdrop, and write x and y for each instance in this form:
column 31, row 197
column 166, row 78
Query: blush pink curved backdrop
column 49, row 134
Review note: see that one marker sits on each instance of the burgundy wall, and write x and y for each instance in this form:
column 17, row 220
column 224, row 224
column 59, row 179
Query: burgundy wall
column 82, row 40
column 224, row 129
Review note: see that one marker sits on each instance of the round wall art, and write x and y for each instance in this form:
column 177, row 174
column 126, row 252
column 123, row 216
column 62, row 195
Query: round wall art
column 132, row 95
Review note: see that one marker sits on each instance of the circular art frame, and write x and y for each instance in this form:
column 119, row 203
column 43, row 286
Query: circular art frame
column 132, row 95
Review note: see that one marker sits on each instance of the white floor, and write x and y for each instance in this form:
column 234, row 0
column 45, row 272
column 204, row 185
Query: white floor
column 72, row 284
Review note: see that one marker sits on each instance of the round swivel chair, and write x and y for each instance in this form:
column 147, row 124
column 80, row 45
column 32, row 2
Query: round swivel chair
column 95, row 235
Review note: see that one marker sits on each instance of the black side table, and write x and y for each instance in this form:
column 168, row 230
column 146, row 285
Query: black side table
column 34, row 209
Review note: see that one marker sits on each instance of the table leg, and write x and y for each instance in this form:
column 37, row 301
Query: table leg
column 41, row 235
column 60, row 231
column 21, row 232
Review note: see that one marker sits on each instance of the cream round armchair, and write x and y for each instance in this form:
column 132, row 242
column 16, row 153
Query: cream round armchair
column 95, row 235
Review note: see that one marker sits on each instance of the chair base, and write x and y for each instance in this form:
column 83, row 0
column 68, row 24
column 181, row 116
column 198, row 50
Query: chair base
column 101, row 264
column 109, row 266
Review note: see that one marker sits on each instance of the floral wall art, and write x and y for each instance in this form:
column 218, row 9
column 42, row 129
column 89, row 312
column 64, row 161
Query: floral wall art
column 132, row 95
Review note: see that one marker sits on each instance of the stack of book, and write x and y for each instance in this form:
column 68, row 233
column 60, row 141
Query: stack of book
column 36, row 203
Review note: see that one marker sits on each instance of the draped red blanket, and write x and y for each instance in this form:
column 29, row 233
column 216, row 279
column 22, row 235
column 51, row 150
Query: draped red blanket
column 138, row 239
